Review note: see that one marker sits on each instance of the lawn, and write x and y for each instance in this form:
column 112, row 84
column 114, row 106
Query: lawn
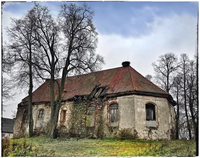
column 42, row 146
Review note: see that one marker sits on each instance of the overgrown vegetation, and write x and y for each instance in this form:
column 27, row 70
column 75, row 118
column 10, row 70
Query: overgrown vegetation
column 17, row 148
column 125, row 134
column 43, row 146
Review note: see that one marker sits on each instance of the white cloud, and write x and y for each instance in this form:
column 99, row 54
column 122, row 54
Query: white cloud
column 176, row 34
column 6, row 22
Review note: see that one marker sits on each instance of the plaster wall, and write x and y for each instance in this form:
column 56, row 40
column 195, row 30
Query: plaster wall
column 164, row 119
column 41, row 125
column 126, row 113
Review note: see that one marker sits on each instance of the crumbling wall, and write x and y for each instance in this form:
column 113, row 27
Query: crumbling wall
column 20, row 129
column 132, row 117
column 41, row 125
column 164, row 120
column 65, row 125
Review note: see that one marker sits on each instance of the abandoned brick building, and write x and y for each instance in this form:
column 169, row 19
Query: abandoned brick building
column 112, row 100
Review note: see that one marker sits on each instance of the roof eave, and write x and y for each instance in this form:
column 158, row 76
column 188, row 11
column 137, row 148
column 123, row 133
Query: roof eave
column 144, row 93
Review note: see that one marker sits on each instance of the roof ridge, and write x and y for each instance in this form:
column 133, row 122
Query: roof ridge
column 90, row 73
column 131, row 77
column 150, row 81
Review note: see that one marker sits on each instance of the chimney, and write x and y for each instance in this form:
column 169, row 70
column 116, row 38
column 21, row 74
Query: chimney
column 125, row 63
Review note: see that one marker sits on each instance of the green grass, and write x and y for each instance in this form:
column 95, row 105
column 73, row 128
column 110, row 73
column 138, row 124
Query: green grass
column 44, row 146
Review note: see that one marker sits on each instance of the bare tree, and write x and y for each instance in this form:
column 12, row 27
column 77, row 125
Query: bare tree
column 165, row 67
column 191, row 95
column 80, row 44
column 74, row 53
column 176, row 92
column 184, row 71
column 47, row 44
column 19, row 55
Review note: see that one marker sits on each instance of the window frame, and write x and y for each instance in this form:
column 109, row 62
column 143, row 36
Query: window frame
column 151, row 110
column 114, row 112
column 41, row 114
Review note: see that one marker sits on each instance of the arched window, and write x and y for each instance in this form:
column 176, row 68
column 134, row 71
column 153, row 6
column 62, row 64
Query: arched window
column 90, row 115
column 150, row 112
column 41, row 114
column 113, row 111
column 63, row 115
column 25, row 117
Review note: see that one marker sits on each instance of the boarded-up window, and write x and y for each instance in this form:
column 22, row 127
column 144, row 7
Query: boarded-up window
column 41, row 114
column 90, row 115
column 113, row 114
column 150, row 112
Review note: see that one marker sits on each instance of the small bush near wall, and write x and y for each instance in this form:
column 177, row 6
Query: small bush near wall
column 125, row 134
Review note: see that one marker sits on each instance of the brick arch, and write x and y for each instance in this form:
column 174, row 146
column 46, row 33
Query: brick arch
column 113, row 102
column 150, row 102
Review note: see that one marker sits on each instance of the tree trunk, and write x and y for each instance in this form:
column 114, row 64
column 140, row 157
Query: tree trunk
column 30, row 115
column 177, row 114
column 185, row 102
column 191, row 102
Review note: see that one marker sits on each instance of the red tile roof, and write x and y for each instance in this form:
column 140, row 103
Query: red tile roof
column 118, row 80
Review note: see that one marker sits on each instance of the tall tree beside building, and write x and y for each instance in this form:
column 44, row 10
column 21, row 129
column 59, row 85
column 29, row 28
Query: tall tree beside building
column 184, row 67
column 49, row 54
column 176, row 92
column 192, row 97
column 164, row 68
column 47, row 44
column 19, row 54
column 74, row 53
column 80, row 39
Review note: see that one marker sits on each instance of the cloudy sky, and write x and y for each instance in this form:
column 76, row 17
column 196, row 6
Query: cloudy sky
column 135, row 31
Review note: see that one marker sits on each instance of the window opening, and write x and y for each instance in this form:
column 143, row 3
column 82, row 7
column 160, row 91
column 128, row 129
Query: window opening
column 91, row 109
column 63, row 115
column 41, row 114
column 114, row 113
column 90, row 115
column 150, row 112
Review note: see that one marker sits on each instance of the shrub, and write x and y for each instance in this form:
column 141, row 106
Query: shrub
column 16, row 148
column 5, row 146
column 125, row 134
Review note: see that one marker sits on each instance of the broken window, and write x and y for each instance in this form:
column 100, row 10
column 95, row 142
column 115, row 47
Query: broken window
column 114, row 114
column 150, row 112
column 25, row 117
column 90, row 115
column 41, row 114
column 63, row 115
